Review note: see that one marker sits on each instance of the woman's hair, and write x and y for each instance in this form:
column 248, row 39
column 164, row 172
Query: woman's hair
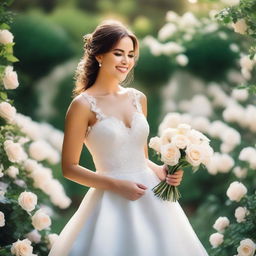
column 102, row 40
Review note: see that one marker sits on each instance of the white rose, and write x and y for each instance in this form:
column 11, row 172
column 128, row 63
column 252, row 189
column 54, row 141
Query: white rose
column 2, row 219
column 221, row 223
column 183, row 128
column 240, row 214
column 51, row 239
column 194, row 154
column 12, row 171
column 240, row 172
column 7, row 111
column 34, row 236
column 39, row 150
column 236, row 191
column 28, row 201
column 240, row 26
column 22, row 248
column 246, row 248
column 180, row 141
column 10, row 79
column 170, row 154
column 247, row 153
column 240, row 94
column 41, row 220
column 216, row 239
column 167, row 135
column 166, row 31
column 182, row 59
column 30, row 165
column 226, row 163
column 14, row 151
column 6, row 36
column 155, row 143
column 42, row 177
column 197, row 137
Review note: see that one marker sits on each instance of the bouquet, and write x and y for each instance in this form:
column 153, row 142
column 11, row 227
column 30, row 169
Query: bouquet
column 179, row 147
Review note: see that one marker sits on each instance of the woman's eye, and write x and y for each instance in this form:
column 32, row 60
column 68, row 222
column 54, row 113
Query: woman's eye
column 131, row 56
column 118, row 54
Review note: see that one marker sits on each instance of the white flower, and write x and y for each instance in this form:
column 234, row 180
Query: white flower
column 240, row 214
column 2, row 219
column 10, row 79
column 31, row 165
column 155, row 143
column 247, row 154
column 170, row 154
column 183, row 128
column 216, row 239
column 167, row 135
column 7, row 111
column 246, row 248
column 171, row 48
column 180, row 141
column 41, row 220
column 167, row 31
column 12, row 171
column 172, row 16
column 221, row 223
column 194, row 154
column 201, row 123
column 14, row 151
column 39, row 150
column 34, row 236
column 182, row 59
column 6, row 36
column 240, row 94
column 28, row 201
column 51, row 239
column 240, row 26
column 226, row 162
column 240, row 172
column 236, row 191
column 22, row 248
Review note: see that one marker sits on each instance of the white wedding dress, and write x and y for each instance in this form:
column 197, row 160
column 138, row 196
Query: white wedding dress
column 107, row 224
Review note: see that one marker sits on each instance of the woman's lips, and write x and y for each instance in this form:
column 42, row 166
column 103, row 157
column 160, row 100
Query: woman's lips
column 122, row 69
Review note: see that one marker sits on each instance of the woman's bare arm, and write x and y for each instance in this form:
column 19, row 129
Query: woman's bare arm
column 76, row 123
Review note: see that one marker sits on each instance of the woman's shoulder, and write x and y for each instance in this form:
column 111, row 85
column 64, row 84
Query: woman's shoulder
column 80, row 103
column 141, row 95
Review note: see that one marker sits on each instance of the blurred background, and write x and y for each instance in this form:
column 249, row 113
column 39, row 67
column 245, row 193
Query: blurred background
column 189, row 66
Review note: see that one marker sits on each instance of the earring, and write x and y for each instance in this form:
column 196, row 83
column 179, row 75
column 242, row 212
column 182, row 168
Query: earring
column 99, row 64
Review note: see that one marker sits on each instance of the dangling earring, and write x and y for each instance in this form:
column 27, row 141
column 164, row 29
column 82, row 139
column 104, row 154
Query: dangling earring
column 99, row 64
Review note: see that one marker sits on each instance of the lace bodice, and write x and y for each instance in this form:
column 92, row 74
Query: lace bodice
column 114, row 146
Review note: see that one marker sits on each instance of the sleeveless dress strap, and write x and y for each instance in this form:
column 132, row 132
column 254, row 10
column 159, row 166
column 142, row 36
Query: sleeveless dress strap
column 136, row 99
column 93, row 104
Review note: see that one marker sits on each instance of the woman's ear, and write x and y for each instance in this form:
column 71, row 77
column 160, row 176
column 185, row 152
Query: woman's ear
column 99, row 58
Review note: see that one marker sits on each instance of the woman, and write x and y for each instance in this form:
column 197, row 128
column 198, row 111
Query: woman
column 119, row 215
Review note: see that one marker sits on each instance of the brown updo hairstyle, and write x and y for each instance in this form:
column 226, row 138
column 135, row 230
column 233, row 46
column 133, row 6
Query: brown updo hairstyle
column 102, row 40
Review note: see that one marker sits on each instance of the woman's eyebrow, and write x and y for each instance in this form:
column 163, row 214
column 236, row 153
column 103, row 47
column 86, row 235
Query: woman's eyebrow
column 121, row 50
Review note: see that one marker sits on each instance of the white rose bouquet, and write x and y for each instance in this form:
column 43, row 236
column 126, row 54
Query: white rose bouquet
column 179, row 147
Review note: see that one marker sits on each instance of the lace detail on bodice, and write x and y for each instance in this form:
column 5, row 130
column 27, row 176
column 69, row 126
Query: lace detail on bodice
column 93, row 104
column 136, row 100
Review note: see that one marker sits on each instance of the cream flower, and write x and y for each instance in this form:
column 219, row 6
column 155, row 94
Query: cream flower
column 240, row 26
column 10, row 79
column 41, row 220
column 194, row 154
column 51, row 239
column 221, row 223
column 6, row 36
column 7, row 111
column 39, row 150
column 246, row 248
column 216, row 239
column 14, row 151
column 22, row 248
column 240, row 214
column 2, row 219
column 155, row 143
column 12, row 171
column 34, row 236
column 170, row 154
column 180, row 141
column 167, row 135
column 236, row 191
column 28, row 201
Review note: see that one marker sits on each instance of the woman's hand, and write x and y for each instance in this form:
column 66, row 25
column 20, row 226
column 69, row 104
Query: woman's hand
column 130, row 190
column 171, row 179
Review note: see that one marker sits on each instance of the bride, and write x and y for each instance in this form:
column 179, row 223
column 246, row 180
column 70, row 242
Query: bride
column 119, row 215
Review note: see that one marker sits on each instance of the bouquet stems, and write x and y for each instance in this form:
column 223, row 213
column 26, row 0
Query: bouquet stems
column 165, row 191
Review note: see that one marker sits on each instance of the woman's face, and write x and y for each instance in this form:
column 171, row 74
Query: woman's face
column 118, row 62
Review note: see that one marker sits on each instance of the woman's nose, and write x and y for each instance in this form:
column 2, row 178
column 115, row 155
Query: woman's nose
column 124, row 59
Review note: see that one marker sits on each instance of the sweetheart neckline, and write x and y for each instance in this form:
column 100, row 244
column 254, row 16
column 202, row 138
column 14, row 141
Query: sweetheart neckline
column 117, row 119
